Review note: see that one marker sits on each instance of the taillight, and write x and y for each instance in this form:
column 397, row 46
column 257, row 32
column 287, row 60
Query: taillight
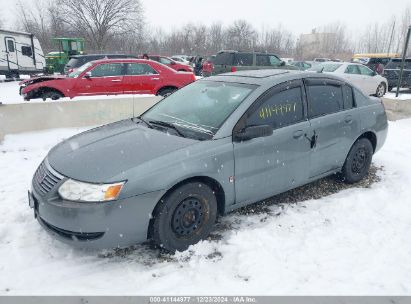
column 233, row 69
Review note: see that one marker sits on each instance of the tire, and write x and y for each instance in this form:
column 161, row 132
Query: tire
column 166, row 92
column 358, row 161
column 53, row 95
column 381, row 90
column 184, row 217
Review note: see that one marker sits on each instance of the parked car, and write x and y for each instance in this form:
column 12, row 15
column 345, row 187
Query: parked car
column 77, row 61
column 375, row 61
column 367, row 80
column 108, row 77
column 301, row 65
column 171, row 63
column 216, row 145
column 322, row 59
column 392, row 73
column 180, row 60
column 231, row 61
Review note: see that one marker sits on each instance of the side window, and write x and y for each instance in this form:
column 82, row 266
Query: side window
column 365, row 71
column 140, row 69
column 352, row 69
column 107, row 70
column 279, row 109
column 348, row 97
column 224, row 59
column 26, row 51
column 324, row 99
column 243, row 59
column 10, row 46
column 274, row 60
column 263, row 60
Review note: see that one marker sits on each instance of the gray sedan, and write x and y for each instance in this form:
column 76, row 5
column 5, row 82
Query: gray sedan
column 216, row 145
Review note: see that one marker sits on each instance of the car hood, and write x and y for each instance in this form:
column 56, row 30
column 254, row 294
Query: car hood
column 41, row 79
column 100, row 154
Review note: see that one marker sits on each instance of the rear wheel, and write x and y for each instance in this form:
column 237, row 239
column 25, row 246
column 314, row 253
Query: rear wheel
column 358, row 161
column 53, row 95
column 184, row 217
column 166, row 92
column 381, row 89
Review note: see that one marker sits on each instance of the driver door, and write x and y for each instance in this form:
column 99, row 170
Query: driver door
column 104, row 79
column 270, row 165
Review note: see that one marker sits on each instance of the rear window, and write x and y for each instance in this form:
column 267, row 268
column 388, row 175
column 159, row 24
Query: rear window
column 224, row 58
column 396, row 64
column 329, row 67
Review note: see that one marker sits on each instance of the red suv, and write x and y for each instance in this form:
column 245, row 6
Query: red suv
column 109, row 77
column 171, row 63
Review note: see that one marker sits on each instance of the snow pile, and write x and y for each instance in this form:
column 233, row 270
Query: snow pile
column 355, row 242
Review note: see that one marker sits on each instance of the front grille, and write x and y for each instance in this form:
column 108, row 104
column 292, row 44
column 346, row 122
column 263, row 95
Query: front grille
column 44, row 180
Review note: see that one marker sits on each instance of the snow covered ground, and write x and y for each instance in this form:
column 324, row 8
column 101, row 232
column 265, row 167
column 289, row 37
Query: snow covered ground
column 355, row 242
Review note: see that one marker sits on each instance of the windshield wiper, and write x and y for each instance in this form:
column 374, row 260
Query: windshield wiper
column 167, row 125
column 145, row 121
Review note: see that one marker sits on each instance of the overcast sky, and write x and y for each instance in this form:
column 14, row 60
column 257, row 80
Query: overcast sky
column 298, row 16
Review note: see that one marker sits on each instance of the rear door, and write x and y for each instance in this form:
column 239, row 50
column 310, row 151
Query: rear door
column 12, row 59
column 353, row 74
column 106, row 79
column 332, row 127
column 141, row 78
column 369, row 80
column 269, row 165
column 244, row 61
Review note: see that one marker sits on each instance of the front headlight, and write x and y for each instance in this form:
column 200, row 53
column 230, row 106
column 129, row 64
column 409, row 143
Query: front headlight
column 78, row 191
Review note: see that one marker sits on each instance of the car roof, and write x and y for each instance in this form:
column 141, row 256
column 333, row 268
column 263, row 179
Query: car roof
column 120, row 60
column 268, row 77
column 97, row 55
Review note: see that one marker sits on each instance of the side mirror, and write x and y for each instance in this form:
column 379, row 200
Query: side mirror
column 87, row 75
column 374, row 73
column 282, row 63
column 253, row 132
column 173, row 63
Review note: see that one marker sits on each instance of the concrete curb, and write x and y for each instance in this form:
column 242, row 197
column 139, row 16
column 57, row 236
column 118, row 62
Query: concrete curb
column 397, row 109
column 28, row 117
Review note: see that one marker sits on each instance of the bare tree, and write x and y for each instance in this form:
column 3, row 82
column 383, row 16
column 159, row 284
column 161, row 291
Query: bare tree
column 241, row 36
column 100, row 20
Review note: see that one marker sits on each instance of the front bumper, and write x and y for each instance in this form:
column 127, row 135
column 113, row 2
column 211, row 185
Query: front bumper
column 120, row 223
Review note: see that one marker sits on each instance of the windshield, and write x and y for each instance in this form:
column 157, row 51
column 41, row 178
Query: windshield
column 326, row 67
column 80, row 70
column 396, row 64
column 201, row 107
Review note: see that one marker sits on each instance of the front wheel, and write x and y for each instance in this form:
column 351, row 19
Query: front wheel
column 381, row 89
column 53, row 95
column 184, row 217
column 358, row 161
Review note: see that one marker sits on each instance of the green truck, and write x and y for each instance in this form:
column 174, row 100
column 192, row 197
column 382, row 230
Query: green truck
column 67, row 47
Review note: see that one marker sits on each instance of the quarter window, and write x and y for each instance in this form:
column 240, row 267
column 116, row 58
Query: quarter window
column 324, row 99
column 107, row 70
column 348, row 97
column 279, row 109
column 140, row 69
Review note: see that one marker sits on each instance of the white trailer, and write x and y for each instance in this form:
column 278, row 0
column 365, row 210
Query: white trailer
column 20, row 53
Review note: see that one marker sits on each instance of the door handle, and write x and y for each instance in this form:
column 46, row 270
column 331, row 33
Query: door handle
column 116, row 80
column 348, row 119
column 298, row 134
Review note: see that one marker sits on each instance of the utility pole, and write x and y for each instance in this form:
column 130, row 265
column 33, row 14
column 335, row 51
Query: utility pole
column 404, row 53
column 392, row 36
